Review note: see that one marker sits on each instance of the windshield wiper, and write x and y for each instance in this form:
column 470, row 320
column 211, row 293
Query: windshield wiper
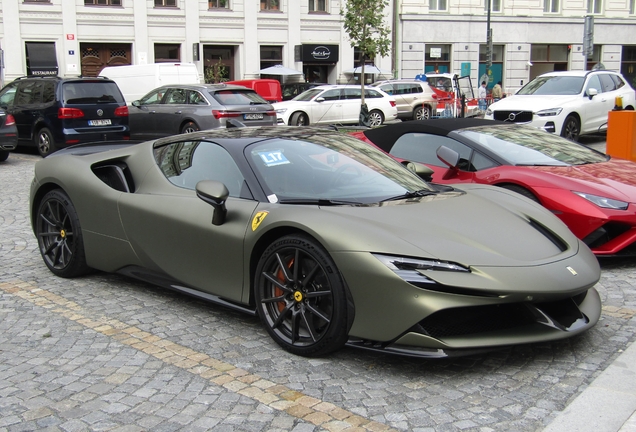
column 319, row 202
column 412, row 194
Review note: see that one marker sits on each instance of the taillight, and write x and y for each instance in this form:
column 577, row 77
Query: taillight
column 392, row 103
column 434, row 96
column 10, row 120
column 224, row 114
column 270, row 113
column 67, row 113
column 121, row 111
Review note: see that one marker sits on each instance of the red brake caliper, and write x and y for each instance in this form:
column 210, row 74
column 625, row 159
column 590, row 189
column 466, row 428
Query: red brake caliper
column 281, row 277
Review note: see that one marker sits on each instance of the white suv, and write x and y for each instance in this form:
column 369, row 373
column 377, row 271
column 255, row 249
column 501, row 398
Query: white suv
column 570, row 103
column 336, row 104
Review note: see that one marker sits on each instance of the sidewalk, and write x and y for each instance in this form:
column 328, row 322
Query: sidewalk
column 607, row 405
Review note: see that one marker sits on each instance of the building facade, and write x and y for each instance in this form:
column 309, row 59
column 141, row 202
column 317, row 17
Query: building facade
column 234, row 39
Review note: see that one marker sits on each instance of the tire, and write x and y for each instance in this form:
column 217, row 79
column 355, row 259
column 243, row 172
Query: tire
column 301, row 297
column 376, row 118
column 571, row 128
column 522, row 191
column 44, row 142
column 421, row 113
column 59, row 235
column 299, row 119
column 190, row 127
column 4, row 155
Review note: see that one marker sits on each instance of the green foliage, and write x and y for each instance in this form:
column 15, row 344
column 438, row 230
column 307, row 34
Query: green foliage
column 364, row 23
column 215, row 73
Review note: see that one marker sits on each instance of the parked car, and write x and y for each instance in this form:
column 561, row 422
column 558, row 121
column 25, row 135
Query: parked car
column 336, row 104
column 592, row 193
column 174, row 109
column 8, row 135
column 450, row 88
column 268, row 89
column 326, row 238
column 53, row 112
column 569, row 103
column 291, row 90
column 415, row 99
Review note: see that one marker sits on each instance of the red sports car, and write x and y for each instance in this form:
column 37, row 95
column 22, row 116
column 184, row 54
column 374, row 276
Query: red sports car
column 593, row 193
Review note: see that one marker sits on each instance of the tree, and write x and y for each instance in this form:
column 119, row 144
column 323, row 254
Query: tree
column 364, row 23
column 215, row 73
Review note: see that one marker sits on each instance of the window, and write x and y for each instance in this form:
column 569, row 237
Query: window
column 422, row 148
column 551, row 6
column 219, row 4
column 176, row 96
column 8, row 95
column 270, row 5
column 103, row 2
column 317, row 5
column 437, row 5
column 594, row 6
column 271, row 56
column 170, row 3
column 152, row 98
column 30, row 92
column 495, row 5
column 37, row 1
column 167, row 53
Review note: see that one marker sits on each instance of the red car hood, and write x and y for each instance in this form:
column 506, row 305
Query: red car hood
column 615, row 178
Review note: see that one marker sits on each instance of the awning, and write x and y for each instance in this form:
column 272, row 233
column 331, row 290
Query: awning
column 41, row 58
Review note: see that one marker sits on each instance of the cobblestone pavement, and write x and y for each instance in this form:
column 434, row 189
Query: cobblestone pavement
column 103, row 352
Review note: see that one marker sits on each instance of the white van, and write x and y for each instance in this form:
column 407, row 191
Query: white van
column 135, row 81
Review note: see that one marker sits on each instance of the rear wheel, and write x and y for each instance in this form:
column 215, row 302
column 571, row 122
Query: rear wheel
column 522, row 191
column 44, row 142
column 421, row 113
column 301, row 297
column 190, row 127
column 571, row 128
column 376, row 118
column 299, row 119
column 4, row 155
column 59, row 235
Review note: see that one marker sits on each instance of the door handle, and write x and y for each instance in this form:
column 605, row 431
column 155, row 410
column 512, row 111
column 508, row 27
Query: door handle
column 177, row 112
column 152, row 112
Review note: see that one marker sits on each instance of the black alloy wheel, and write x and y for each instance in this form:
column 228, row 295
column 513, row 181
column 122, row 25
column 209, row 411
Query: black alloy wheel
column 44, row 142
column 190, row 127
column 59, row 235
column 571, row 128
column 302, row 298
column 299, row 119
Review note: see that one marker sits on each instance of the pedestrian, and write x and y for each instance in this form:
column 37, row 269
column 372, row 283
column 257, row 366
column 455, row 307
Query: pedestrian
column 497, row 92
column 482, row 93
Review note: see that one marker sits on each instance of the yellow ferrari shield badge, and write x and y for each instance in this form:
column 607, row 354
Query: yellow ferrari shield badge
column 258, row 219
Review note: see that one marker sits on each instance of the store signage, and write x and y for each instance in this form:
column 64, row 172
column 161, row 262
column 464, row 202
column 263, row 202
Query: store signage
column 70, row 36
column 436, row 52
column 313, row 53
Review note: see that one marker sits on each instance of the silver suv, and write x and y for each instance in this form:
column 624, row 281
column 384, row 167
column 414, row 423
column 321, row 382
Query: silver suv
column 415, row 99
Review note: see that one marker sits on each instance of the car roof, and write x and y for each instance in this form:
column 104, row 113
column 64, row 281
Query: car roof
column 385, row 136
column 213, row 87
column 576, row 73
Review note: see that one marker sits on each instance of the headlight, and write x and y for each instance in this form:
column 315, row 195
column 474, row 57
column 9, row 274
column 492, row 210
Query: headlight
column 410, row 269
column 604, row 202
column 281, row 110
column 488, row 111
column 549, row 112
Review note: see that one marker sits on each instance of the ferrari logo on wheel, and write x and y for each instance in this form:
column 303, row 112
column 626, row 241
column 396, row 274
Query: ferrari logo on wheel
column 258, row 219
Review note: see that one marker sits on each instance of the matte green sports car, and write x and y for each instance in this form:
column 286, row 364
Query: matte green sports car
column 327, row 239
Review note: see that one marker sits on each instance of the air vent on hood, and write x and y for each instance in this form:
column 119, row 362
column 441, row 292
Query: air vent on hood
column 558, row 241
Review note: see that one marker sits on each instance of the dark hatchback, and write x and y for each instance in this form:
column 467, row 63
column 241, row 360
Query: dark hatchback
column 8, row 135
column 54, row 112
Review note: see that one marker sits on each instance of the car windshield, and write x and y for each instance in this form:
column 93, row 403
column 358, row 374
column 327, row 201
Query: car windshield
column 316, row 168
column 238, row 97
column 307, row 95
column 524, row 145
column 91, row 92
column 553, row 85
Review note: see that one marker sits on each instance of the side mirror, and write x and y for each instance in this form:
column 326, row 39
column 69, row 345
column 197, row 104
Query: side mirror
column 424, row 172
column 591, row 92
column 214, row 193
column 320, row 99
column 135, row 103
column 451, row 158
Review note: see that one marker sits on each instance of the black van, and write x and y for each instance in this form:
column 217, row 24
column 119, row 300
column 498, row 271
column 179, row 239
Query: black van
column 52, row 112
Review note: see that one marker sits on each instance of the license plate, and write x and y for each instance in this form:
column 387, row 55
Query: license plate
column 103, row 122
column 253, row 116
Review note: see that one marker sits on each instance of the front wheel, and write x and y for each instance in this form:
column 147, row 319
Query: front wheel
column 59, row 235
column 44, row 142
column 376, row 118
column 571, row 128
column 299, row 119
column 189, row 127
column 421, row 113
column 4, row 155
column 301, row 297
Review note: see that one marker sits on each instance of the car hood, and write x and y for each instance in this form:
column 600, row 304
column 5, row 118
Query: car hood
column 615, row 178
column 486, row 227
column 533, row 103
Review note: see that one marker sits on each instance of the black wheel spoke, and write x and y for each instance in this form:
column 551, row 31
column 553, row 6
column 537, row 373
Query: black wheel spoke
column 281, row 317
column 309, row 276
column 48, row 234
column 296, row 264
column 279, row 299
column 45, row 219
column 310, row 327
column 273, row 279
column 52, row 246
column 318, row 313
column 315, row 294
column 283, row 267
column 295, row 329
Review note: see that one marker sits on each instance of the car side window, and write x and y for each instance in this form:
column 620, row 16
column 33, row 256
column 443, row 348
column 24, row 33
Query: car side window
column 8, row 95
column 176, row 96
column 333, row 95
column 371, row 93
column 29, row 92
column 48, row 92
column 351, row 93
column 388, row 89
column 196, row 98
column 618, row 80
column 153, row 97
column 420, row 147
column 188, row 162
column 481, row 162
column 594, row 83
column 607, row 83
column 415, row 88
